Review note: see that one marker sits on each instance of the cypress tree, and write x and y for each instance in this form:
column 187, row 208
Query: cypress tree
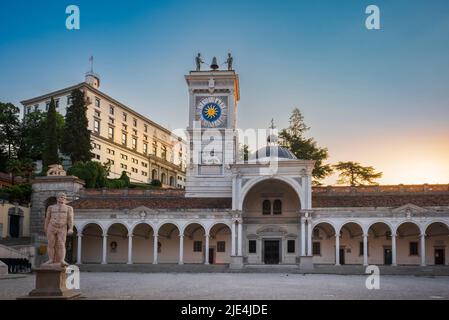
column 50, row 153
column 76, row 138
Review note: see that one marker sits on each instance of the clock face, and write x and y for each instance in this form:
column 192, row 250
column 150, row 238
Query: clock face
column 212, row 112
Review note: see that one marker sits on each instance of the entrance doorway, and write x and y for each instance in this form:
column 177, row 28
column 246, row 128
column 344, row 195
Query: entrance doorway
column 342, row 256
column 439, row 257
column 211, row 255
column 388, row 256
column 271, row 251
column 14, row 226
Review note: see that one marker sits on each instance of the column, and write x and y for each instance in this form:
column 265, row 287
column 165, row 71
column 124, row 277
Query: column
column 303, row 237
column 181, row 249
column 393, row 250
column 206, row 254
column 233, row 239
column 130, row 249
column 365, row 249
column 105, row 245
column 309, row 237
column 423, row 250
column 78, row 253
column 239, row 238
column 155, row 247
column 337, row 249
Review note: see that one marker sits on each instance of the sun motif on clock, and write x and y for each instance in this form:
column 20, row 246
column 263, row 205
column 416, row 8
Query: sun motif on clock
column 212, row 112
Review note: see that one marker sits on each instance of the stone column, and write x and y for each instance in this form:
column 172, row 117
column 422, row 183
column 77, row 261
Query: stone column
column 105, row 248
column 155, row 247
column 423, row 250
column 130, row 249
column 337, row 249
column 309, row 237
column 181, row 249
column 239, row 239
column 233, row 239
column 365, row 249
column 303, row 237
column 393, row 250
column 78, row 249
column 206, row 254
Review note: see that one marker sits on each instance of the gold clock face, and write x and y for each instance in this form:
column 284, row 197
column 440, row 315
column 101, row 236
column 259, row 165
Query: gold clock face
column 212, row 111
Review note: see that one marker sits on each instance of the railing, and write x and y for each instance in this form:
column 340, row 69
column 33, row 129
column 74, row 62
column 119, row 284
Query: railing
column 424, row 188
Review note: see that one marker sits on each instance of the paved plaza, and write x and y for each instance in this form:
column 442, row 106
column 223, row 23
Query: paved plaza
column 241, row 286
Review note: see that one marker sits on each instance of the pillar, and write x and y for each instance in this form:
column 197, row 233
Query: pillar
column 337, row 249
column 206, row 254
column 365, row 249
column 309, row 237
column 78, row 249
column 239, row 238
column 423, row 249
column 130, row 249
column 155, row 247
column 233, row 239
column 105, row 245
column 181, row 249
column 393, row 250
column 303, row 237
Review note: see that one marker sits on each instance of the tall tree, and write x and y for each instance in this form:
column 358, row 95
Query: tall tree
column 354, row 174
column 76, row 139
column 304, row 148
column 9, row 129
column 32, row 133
column 50, row 152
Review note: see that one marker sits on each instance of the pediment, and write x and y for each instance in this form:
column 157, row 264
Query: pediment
column 142, row 211
column 410, row 208
column 272, row 230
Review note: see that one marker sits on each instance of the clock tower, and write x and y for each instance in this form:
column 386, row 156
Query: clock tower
column 213, row 98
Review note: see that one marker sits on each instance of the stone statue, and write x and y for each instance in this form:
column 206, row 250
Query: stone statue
column 56, row 170
column 198, row 61
column 58, row 224
column 229, row 61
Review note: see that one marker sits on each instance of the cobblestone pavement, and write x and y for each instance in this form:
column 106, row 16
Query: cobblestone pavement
column 241, row 286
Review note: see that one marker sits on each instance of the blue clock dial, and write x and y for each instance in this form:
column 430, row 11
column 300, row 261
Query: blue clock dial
column 211, row 112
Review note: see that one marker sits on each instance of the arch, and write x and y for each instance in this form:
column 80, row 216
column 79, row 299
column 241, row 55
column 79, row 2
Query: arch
column 316, row 223
column 163, row 178
column 142, row 242
column 168, row 245
column 83, row 226
column 353, row 222
column 266, row 207
column 277, row 206
column 167, row 223
column 402, row 223
column 215, row 223
column 108, row 226
column 137, row 223
column 172, row 181
column 154, row 174
column 190, row 224
column 253, row 182
column 428, row 224
column 91, row 242
column 387, row 223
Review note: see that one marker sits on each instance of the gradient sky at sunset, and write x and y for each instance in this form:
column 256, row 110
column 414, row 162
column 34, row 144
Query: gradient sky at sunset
column 377, row 97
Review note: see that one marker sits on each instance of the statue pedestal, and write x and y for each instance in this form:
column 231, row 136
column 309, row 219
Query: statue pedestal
column 51, row 285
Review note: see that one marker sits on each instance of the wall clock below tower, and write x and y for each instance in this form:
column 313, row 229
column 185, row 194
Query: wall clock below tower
column 212, row 112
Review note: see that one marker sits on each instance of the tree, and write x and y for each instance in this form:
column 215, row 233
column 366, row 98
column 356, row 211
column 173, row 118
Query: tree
column 50, row 151
column 243, row 152
column 354, row 174
column 93, row 173
column 9, row 129
column 20, row 167
column 304, row 148
column 76, row 139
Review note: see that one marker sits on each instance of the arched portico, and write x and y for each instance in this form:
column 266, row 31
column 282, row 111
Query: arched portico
column 91, row 239
column 142, row 243
column 381, row 244
column 324, row 243
column 352, row 244
column 437, row 243
column 410, row 249
column 167, row 240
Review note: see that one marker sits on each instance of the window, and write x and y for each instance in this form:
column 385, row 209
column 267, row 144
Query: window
column 316, row 233
column 145, row 148
column 290, row 246
column 144, row 173
column 96, row 156
column 124, row 138
column 97, row 113
column 111, row 120
column 135, row 161
column 111, row 110
column 125, row 116
column 413, row 248
column 145, row 128
column 197, row 246
column 266, row 207
column 125, row 127
column 110, row 151
column 252, row 246
column 135, row 132
column 69, row 100
column 123, row 166
column 110, row 161
column 134, row 143
column 361, row 248
column 144, row 164
column 47, row 105
column 135, row 122
column 134, row 170
column 164, row 153
column 97, row 103
column 111, row 133
column 96, row 126
column 316, row 248
column 36, row 107
column 155, row 148
column 221, row 246
column 28, row 109
column 277, row 207
column 145, row 137
column 124, row 156
column 57, row 103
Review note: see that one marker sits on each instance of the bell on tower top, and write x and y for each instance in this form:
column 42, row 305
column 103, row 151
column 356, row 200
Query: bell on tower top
column 214, row 65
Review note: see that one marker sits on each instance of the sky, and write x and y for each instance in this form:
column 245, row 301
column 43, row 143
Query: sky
column 378, row 97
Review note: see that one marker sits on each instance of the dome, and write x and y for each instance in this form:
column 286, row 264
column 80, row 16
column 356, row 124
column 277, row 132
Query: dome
column 273, row 151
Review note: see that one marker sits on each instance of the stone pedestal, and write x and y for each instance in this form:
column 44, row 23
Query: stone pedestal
column 236, row 262
column 51, row 285
column 306, row 263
